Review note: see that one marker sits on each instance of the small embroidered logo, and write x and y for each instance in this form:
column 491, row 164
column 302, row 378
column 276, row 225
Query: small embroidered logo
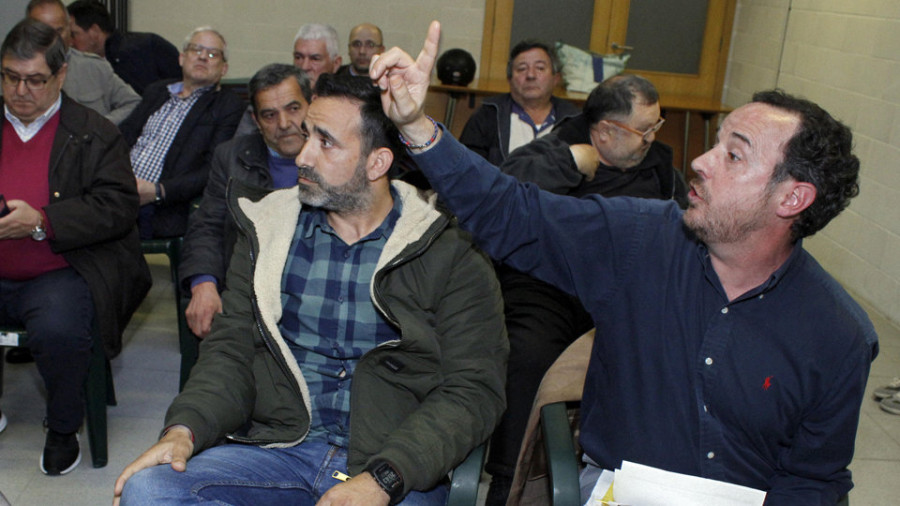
column 767, row 383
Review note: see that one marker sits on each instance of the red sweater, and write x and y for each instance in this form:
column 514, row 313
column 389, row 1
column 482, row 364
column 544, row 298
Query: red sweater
column 24, row 173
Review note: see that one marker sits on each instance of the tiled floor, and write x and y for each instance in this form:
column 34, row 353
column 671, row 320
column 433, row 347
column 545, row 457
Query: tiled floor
column 146, row 378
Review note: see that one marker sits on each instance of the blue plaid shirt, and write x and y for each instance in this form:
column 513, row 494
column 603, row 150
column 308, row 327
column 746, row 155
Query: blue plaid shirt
column 149, row 152
column 328, row 318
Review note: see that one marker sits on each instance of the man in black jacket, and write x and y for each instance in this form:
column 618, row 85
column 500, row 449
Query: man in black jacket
column 527, row 112
column 174, row 130
column 611, row 150
column 139, row 58
column 71, row 260
column 279, row 95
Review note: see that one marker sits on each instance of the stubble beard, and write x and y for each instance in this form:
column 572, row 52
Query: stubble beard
column 351, row 197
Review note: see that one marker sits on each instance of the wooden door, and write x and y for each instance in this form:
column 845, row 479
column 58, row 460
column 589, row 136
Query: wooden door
column 609, row 25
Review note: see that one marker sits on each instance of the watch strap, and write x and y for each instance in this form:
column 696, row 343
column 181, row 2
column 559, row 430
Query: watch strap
column 388, row 479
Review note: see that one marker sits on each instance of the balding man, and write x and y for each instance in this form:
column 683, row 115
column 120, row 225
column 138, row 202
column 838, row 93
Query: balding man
column 365, row 42
column 174, row 131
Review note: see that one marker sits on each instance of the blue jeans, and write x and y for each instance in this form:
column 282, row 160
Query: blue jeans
column 243, row 474
column 57, row 311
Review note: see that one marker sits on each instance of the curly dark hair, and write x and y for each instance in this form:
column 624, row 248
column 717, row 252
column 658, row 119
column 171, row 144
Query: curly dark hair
column 820, row 154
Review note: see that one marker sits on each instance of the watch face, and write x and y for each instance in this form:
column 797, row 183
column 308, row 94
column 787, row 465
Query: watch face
column 39, row 234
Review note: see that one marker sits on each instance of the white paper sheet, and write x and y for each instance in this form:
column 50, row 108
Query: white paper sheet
column 639, row 485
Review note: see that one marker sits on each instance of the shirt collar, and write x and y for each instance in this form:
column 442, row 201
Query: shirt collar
column 26, row 132
column 765, row 287
column 276, row 155
column 176, row 88
column 548, row 121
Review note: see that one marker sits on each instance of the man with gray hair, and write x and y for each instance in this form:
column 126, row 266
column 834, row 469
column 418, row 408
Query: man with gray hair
column 279, row 96
column 316, row 50
column 174, row 130
column 72, row 264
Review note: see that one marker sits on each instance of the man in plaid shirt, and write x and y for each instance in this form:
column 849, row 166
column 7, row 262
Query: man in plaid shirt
column 174, row 130
column 362, row 336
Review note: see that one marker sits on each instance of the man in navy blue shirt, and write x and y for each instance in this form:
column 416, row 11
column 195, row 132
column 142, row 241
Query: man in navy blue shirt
column 726, row 351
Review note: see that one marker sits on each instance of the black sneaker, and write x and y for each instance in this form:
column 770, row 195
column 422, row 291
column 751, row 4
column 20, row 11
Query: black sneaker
column 61, row 453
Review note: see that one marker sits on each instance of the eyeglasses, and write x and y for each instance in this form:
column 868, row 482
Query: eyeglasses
column 358, row 44
column 209, row 52
column 32, row 82
column 646, row 133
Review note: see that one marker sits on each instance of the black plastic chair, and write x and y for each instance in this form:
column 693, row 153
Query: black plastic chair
column 561, row 458
column 187, row 342
column 99, row 390
column 465, row 479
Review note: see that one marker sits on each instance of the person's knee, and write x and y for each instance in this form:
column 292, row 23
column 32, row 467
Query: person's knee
column 145, row 486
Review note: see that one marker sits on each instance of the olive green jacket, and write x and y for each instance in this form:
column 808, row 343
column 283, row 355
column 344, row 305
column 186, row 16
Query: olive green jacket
column 421, row 402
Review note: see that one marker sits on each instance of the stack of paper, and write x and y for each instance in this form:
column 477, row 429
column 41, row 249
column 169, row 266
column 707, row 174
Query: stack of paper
column 639, row 485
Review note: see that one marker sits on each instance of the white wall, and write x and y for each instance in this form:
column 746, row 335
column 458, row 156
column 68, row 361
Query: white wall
column 262, row 31
column 845, row 55
column 11, row 12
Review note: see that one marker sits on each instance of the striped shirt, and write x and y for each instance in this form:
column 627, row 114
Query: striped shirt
column 149, row 152
column 328, row 317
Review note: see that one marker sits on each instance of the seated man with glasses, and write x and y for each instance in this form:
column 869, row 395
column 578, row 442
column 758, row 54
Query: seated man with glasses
column 174, row 130
column 70, row 259
column 365, row 42
column 609, row 149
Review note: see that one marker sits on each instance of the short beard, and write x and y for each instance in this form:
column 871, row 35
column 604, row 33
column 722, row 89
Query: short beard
column 351, row 197
column 727, row 226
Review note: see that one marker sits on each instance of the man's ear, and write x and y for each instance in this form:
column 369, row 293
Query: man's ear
column 378, row 163
column 599, row 133
column 799, row 197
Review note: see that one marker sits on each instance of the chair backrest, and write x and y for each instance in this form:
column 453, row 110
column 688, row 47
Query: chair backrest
column 563, row 382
